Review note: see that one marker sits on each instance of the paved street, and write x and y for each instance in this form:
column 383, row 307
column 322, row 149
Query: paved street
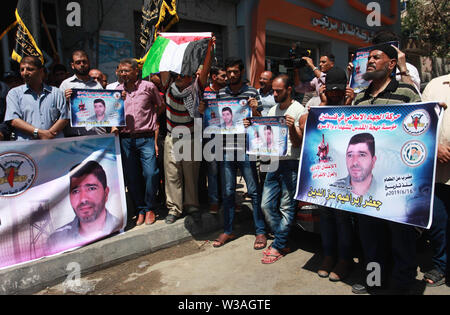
column 196, row 268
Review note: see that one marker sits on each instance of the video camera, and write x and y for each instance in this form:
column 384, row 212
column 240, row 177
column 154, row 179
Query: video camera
column 295, row 56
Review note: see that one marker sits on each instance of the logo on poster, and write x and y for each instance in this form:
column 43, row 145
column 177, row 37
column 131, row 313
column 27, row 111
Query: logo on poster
column 17, row 174
column 413, row 153
column 417, row 122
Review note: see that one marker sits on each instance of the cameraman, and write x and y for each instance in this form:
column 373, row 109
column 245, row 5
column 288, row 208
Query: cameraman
column 326, row 62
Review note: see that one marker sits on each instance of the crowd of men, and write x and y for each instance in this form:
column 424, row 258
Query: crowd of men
column 35, row 106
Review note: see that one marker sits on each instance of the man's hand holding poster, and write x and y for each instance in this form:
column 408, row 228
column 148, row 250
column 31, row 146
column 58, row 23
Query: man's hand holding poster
column 373, row 160
column 97, row 108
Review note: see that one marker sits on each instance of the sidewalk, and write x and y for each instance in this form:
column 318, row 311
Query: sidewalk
column 34, row 276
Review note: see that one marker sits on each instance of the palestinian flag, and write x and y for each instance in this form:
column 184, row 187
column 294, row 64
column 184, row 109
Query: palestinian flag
column 25, row 42
column 181, row 53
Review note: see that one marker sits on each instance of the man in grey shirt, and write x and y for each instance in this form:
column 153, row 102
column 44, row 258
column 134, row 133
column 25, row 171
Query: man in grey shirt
column 36, row 110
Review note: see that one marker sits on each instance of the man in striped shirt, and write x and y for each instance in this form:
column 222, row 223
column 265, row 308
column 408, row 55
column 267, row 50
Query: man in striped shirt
column 181, row 175
column 385, row 89
column 233, row 159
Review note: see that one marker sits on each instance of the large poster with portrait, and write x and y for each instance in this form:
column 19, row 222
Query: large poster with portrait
column 57, row 195
column 373, row 160
column 97, row 108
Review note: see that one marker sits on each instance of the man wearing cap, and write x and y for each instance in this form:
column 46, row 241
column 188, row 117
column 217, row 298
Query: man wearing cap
column 385, row 89
column 335, row 225
column 335, row 91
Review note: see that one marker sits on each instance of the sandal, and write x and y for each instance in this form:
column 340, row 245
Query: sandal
column 341, row 271
column 436, row 277
column 223, row 239
column 271, row 258
column 327, row 265
column 260, row 242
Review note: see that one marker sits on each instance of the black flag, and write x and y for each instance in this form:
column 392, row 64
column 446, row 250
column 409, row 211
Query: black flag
column 157, row 16
column 25, row 41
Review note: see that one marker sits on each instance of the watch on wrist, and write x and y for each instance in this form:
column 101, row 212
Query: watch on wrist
column 36, row 133
column 406, row 72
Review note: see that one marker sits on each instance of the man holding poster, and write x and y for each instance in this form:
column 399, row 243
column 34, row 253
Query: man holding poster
column 143, row 104
column 385, row 89
column 278, row 198
column 234, row 157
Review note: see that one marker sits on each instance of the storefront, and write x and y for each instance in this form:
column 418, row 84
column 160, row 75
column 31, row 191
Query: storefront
column 319, row 26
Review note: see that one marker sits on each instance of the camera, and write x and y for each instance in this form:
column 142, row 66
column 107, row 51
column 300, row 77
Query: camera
column 295, row 57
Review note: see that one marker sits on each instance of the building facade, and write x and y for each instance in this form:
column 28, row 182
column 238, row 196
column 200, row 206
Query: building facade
column 261, row 32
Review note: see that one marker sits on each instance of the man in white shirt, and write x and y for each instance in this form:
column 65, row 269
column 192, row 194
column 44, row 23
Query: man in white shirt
column 80, row 80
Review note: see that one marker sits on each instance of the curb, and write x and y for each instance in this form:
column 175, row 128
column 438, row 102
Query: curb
column 31, row 277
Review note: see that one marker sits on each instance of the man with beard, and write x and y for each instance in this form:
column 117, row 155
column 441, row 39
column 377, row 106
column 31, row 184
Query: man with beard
column 100, row 111
column 227, row 117
column 360, row 160
column 374, row 232
column 88, row 194
column 80, row 80
column 278, row 202
column 384, row 89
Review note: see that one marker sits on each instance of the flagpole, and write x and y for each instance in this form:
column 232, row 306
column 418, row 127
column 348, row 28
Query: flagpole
column 35, row 24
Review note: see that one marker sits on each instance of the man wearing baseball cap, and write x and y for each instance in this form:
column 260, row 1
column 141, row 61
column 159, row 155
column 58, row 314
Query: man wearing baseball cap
column 336, row 91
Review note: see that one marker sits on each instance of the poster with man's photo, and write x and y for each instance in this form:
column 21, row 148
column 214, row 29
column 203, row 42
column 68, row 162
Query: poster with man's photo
column 267, row 136
column 58, row 195
column 97, row 108
column 373, row 160
column 226, row 116
column 360, row 59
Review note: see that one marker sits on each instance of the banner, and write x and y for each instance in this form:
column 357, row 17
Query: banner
column 157, row 15
column 25, row 41
column 58, row 195
column 97, row 108
column 267, row 136
column 357, row 83
column 374, row 160
column 226, row 116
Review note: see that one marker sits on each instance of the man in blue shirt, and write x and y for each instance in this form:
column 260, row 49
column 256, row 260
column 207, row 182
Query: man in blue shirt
column 36, row 110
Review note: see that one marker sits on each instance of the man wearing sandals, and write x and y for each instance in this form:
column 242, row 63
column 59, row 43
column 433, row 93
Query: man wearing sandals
column 233, row 159
column 439, row 90
column 278, row 203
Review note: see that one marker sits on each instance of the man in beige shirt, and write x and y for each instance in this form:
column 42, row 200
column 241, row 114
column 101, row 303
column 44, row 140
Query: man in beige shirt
column 438, row 90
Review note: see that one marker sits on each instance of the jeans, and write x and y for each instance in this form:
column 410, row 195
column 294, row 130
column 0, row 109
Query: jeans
column 374, row 235
column 213, row 182
column 439, row 231
column 229, row 168
column 337, row 233
column 141, row 172
column 278, row 203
